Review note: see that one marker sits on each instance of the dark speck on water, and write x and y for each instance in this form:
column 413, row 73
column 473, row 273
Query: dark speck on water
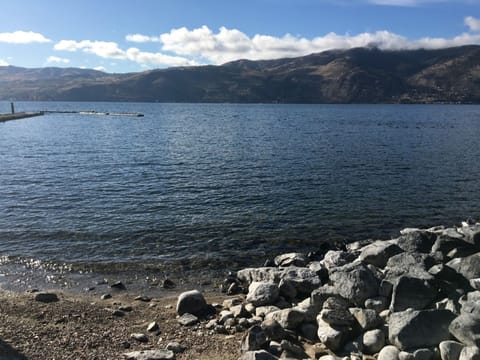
column 200, row 187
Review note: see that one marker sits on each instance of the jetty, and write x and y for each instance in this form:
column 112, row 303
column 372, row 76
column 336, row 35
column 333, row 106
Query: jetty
column 23, row 115
column 19, row 115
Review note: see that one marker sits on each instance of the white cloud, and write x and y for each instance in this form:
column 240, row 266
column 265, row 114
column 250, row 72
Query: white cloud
column 58, row 60
column 3, row 63
column 472, row 23
column 23, row 37
column 139, row 38
column 231, row 44
column 100, row 68
column 111, row 50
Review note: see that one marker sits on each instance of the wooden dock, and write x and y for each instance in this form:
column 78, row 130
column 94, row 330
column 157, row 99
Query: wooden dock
column 23, row 115
column 19, row 115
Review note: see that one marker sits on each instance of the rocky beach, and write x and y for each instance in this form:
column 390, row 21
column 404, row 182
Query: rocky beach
column 413, row 297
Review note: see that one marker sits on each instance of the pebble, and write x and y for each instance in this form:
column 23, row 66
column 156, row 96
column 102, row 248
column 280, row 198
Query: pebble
column 153, row 326
column 139, row 337
column 175, row 347
column 187, row 319
column 118, row 285
column 106, row 296
column 46, row 297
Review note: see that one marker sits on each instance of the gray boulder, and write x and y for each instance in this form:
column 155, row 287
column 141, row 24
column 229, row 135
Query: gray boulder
column 423, row 354
column 471, row 234
column 468, row 266
column 287, row 318
column 408, row 263
column 191, row 302
column 417, row 241
column 333, row 337
column 355, row 283
column 450, row 350
column 262, row 293
column 335, row 312
column 379, row 252
column 273, row 330
column 255, row 339
column 263, row 274
column 337, row 258
column 373, row 341
column 411, row 292
column 291, row 259
column 303, row 280
column 466, row 329
column 470, row 304
column 367, row 318
column 419, row 329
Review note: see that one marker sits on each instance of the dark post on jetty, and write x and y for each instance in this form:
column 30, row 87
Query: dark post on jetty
column 12, row 106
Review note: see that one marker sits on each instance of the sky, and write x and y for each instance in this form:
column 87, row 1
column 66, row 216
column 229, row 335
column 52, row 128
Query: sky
column 119, row 36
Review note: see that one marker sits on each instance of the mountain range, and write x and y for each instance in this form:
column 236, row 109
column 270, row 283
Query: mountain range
column 360, row 75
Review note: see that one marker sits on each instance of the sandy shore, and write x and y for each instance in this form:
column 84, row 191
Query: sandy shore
column 84, row 327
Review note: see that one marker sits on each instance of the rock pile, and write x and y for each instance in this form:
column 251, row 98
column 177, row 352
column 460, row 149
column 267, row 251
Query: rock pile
column 413, row 297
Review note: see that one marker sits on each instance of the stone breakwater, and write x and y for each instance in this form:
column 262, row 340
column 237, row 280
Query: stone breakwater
column 413, row 297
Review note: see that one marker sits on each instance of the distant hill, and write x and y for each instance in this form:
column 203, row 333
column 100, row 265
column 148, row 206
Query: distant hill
column 361, row 75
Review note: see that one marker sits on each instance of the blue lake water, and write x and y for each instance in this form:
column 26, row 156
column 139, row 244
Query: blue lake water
column 214, row 183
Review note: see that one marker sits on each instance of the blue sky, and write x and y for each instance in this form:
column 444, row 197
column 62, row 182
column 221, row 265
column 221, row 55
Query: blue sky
column 127, row 36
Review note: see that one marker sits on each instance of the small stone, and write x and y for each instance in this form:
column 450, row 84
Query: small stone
column 187, row 319
column 143, row 298
column 126, row 308
column 150, row 355
column 118, row 285
column 46, row 297
column 168, row 284
column 175, row 347
column 139, row 337
column 106, row 296
column 153, row 326
column 118, row 313
column 258, row 355
column 405, row 355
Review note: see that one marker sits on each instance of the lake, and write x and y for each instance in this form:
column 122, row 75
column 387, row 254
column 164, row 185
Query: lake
column 226, row 185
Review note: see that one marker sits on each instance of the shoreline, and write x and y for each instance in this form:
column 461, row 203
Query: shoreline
column 370, row 300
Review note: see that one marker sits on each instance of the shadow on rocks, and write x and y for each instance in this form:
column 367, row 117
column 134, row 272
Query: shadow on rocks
column 9, row 353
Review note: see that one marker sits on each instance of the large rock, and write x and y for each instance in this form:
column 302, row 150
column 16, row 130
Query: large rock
column 303, row 280
column 333, row 337
column 192, row 302
column 291, row 259
column 255, row 339
column 408, row 263
column 373, row 341
column 150, row 355
column 335, row 312
column 470, row 304
column 263, row 274
column 411, row 292
column 337, row 258
column 367, row 318
column 273, row 330
column 355, row 283
column 379, row 252
column 417, row 241
column 468, row 266
column 419, row 329
column 262, row 293
column 287, row 318
column 466, row 328
column 471, row 233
